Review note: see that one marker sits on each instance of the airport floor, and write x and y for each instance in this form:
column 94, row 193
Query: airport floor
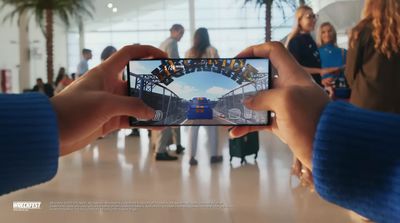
column 118, row 178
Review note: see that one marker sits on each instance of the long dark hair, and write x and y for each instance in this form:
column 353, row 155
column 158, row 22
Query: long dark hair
column 107, row 52
column 201, row 42
column 60, row 76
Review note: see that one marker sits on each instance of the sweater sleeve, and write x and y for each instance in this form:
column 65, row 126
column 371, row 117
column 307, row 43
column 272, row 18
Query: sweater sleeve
column 356, row 161
column 28, row 141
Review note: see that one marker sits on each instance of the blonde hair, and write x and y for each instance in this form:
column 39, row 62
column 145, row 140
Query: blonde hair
column 319, row 37
column 300, row 12
column 383, row 16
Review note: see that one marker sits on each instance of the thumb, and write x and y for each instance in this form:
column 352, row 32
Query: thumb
column 266, row 100
column 130, row 106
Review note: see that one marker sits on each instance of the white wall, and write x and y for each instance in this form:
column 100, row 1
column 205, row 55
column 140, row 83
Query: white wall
column 9, row 53
column 319, row 4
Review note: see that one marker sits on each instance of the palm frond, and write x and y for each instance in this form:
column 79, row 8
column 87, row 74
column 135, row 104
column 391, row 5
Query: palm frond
column 64, row 9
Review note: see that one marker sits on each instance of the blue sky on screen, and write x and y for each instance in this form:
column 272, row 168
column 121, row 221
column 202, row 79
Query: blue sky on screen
column 197, row 84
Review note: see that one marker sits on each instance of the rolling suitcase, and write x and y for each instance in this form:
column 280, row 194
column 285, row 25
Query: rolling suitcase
column 244, row 146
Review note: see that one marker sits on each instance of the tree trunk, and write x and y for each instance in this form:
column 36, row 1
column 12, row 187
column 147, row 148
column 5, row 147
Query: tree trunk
column 302, row 2
column 24, row 57
column 49, row 45
column 268, row 16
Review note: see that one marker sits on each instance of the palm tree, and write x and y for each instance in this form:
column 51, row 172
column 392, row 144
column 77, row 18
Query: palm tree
column 268, row 12
column 44, row 11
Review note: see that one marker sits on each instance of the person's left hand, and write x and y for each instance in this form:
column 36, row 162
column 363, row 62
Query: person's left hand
column 97, row 103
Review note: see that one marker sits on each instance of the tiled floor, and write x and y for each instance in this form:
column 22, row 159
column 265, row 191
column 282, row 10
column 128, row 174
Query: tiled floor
column 122, row 169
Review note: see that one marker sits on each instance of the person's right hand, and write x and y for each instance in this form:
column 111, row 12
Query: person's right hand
column 295, row 98
column 330, row 70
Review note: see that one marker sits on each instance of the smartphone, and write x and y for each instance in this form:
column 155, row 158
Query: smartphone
column 199, row 92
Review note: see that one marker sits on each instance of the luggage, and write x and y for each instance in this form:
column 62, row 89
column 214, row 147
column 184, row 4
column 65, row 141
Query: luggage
column 244, row 146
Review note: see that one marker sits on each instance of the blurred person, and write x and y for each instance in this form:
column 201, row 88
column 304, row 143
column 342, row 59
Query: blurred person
column 43, row 88
column 373, row 62
column 62, row 81
column 170, row 135
column 332, row 56
column 107, row 52
column 83, row 66
column 303, row 47
column 170, row 45
column 202, row 49
column 60, row 75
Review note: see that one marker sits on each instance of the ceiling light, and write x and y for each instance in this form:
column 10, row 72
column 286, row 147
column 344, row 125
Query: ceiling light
column 115, row 10
column 109, row 5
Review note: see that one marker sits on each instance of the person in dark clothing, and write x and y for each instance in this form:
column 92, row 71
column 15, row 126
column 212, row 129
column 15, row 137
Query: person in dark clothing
column 46, row 89
column 373, row 61
column 303, row 47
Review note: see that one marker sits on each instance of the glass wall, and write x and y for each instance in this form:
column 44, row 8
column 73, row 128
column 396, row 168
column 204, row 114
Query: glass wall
column 232, row 26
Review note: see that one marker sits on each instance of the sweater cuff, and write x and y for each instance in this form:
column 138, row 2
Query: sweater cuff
column 356, row 161
column 28, row 141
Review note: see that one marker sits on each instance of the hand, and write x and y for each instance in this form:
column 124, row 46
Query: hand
column 328, row 82
column 331, row 91
column 96, row 104
column 295, row 99
column 330, row 70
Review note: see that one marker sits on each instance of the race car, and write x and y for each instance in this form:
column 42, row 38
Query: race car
column 199, row 108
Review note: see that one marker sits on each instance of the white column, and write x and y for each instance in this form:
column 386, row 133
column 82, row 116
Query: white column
column 81, row 36
column 24, row 57
column 192, row 18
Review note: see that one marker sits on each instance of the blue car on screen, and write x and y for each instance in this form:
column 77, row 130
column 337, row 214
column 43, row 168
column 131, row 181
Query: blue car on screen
column 199, row 108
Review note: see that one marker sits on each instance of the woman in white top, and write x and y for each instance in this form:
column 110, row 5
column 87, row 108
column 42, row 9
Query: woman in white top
column 201, row 46
column 202, row 49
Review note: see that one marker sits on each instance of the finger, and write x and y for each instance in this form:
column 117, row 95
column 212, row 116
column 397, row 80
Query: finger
column 267, row 100
column 240, row 131
column 120, row 59
column 128, row 106
column 283, row 61
column 124, row 124
column 80, row 143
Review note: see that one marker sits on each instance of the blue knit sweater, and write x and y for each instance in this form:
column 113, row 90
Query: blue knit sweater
column 356, row 162
column 28, row 141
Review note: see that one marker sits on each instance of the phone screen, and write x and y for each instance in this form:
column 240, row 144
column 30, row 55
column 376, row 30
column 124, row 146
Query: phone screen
column 199, row 92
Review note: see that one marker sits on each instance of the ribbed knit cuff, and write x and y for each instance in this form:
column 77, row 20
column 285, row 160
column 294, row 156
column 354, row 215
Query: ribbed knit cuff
column 29, row 147
column 356, row 161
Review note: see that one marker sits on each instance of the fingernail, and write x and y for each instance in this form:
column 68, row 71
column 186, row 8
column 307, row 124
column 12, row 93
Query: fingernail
column 150, row 113
column 231, row 135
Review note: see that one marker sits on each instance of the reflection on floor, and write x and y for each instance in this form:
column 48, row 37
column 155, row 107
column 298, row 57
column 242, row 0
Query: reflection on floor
column 122, row 169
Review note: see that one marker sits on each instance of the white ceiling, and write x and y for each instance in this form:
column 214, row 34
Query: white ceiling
column 343, row 15
column 126, row 9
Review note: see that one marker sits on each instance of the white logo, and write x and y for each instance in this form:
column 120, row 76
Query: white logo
column 26, row 205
